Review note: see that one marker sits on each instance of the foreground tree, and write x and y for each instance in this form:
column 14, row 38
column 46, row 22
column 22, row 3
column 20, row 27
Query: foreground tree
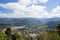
column 43, row 36
column 2, row 35
column 54, row 36
column 17, row 36
column 58, row 28
column 8, row 33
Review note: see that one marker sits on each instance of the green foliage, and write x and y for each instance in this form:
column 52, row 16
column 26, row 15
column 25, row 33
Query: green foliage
column 17, row 36
column 2, row 35
column 42, row 35
column 51, row 35
column 54, row 36
column 58, row 28
column 8, row 31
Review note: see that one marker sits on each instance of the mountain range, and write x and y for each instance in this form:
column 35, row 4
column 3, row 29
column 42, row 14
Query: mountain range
column 50, row 22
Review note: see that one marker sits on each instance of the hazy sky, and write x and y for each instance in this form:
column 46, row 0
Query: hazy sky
column 29, row 8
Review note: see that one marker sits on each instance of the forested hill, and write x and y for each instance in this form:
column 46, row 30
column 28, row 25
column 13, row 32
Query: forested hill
column 51, row 22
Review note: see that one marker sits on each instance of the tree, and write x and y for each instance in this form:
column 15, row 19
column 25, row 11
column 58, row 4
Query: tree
column 8, row 33
column 43, row 34
column 17, row 36
column 58, row 28
column 54, row 36
column 2, row 35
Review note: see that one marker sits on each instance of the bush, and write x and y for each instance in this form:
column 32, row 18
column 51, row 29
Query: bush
column 54, row 36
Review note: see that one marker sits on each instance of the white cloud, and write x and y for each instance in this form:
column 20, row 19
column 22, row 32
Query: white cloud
column 20, row 10
column 38, row 12
column 39, row 1
column 43, row 1
column 25, row 2
column 56, row 12
column 23, row 11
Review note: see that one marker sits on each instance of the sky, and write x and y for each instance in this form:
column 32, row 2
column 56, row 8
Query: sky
column 29, row 8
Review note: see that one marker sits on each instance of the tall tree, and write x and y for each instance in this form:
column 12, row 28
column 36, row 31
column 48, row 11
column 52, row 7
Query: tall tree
column 8, row 32
column 2, row 35
column 17, row 36
column 54, row 36
column 58, row 28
